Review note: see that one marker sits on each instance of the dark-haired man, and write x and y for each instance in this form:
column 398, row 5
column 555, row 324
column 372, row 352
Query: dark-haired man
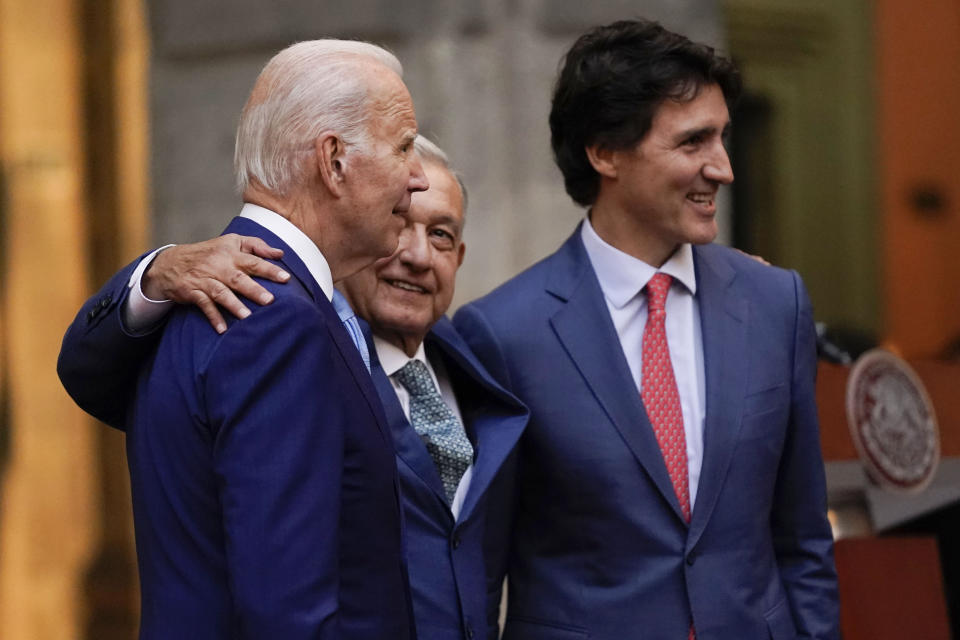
column 670, row 480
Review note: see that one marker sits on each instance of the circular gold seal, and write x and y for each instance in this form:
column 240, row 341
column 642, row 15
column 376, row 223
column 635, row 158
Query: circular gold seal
column 892, row 422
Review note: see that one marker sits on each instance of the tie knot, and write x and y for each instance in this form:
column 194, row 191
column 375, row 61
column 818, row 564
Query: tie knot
column 657, row 290
column 415, row 378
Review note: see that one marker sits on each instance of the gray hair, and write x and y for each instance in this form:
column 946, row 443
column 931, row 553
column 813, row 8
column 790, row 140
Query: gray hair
column 430, row 152
column 307, row 88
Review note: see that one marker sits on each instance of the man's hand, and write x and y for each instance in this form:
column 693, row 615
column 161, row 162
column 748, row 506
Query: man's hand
column 757, row 258
column 208, row 273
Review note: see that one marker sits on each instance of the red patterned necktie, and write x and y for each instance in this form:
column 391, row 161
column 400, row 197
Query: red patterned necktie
column 659, row 393
column 659, row 390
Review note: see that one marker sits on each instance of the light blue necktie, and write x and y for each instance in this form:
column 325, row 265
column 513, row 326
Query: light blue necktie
column 437, row 425
column 350, row 323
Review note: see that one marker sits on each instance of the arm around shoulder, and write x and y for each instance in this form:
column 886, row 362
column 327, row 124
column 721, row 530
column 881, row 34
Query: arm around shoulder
column 99, row 359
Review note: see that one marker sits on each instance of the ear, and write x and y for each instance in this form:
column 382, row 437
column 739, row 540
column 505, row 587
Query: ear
column 330, row 155
column 603, row 160
column 460, row 252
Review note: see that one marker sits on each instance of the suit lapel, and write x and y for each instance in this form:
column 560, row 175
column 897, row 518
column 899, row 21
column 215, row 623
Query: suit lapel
column 410, row 447
column 355, row 363
column 493, row 417
column 723, row 322
column 600, row 359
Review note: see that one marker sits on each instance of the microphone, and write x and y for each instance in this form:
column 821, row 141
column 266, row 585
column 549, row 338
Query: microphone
column 829, row 350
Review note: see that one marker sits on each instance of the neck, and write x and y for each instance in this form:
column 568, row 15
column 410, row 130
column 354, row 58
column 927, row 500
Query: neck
column 297, row 207
column 258, row 195
column 407, row 343
column 622, row 230
column 305, row 211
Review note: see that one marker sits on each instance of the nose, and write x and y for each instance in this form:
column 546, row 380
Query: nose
column 414, row 247
column 717, row 168
column 418, row 179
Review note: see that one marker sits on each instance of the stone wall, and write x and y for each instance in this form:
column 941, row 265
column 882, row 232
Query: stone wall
column 480, row 72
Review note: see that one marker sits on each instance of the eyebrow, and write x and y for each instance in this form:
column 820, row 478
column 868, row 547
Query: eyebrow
column 703, row 131
column 445, row 219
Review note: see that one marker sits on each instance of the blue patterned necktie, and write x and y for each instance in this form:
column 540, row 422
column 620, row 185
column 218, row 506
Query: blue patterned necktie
column 437, row 425
column 350, row 323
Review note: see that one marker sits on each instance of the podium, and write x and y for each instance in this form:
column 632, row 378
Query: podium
column 899, row 571
column 891, row 589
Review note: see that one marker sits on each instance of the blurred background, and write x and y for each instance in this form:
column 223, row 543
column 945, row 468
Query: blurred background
column 116, row 135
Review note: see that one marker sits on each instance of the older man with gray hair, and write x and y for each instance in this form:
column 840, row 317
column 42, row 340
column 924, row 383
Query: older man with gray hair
column 262, row 469
column 453, row 426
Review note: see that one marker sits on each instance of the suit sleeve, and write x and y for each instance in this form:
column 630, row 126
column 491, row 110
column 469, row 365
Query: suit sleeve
column 479, row 336
column 99, row 359
column 801, row 533
column 273, row 392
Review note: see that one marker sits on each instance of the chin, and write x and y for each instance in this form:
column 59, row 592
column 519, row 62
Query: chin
column 704, row 235
column 398, row 318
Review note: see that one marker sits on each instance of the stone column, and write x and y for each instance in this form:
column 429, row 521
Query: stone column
column 47, row 497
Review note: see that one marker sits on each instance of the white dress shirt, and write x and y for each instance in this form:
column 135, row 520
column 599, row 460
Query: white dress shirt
column 392, row 359
column 622, row 279
column 141, row 314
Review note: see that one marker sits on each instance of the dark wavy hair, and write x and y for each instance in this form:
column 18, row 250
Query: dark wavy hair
column 612, row 82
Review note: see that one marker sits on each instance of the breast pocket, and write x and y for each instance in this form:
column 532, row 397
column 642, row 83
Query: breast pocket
column 760, row 441
column 766, row 399
column 765, row 413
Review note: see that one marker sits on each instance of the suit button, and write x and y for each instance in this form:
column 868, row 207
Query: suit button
column 105, row 302
column 455, row 542
column 469, row 632
column 691, row 559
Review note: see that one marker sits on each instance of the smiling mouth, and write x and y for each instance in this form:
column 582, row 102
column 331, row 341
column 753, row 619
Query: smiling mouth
column 406, row 286
column 701, row 199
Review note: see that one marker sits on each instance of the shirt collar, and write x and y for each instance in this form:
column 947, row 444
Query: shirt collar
column 393, row 358
column 297, row 240
column 622, row 276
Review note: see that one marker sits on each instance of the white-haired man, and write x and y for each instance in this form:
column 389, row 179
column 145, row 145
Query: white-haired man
column 262, row 468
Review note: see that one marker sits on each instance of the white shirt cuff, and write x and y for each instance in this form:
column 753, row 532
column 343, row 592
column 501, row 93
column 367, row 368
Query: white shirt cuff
column 141, row 314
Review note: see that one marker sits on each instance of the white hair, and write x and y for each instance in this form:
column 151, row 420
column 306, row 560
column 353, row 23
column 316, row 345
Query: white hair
column 307, row 88
column 430, row 152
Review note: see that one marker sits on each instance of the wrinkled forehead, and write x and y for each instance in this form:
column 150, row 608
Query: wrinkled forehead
column 445, row 192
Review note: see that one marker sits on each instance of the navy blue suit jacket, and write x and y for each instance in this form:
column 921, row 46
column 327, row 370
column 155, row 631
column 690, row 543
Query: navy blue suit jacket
column 262, row 468
column 600, row 549
column 452, row 596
